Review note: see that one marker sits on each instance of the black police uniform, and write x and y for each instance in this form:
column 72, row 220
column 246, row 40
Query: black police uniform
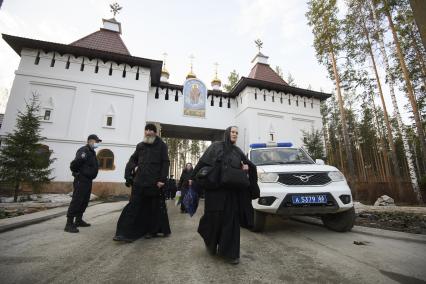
column 84, row 168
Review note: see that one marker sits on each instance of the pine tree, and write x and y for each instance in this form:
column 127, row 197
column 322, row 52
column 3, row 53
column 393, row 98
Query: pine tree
column 358, row 33
column 313, row 143
column 406, row 74
column 23, row 160
column 322, row 17
column 232, row 80
column 378, row 36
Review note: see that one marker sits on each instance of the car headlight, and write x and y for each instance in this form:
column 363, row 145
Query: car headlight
column 336, row 176
column 268, row 177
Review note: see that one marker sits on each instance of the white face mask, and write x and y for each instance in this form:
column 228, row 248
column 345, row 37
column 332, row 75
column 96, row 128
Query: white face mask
column 95, row 145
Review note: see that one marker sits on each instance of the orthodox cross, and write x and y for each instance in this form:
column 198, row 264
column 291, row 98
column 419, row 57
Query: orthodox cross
column 216, row 65
column 258, row 43
column 115, row 8
column 191, row 58
column 164, row 61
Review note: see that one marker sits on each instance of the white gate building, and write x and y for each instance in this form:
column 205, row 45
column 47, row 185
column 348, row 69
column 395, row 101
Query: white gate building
column 94, row 85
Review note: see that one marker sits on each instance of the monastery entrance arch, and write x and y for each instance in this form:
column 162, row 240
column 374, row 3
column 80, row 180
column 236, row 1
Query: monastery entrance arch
column 191, row 133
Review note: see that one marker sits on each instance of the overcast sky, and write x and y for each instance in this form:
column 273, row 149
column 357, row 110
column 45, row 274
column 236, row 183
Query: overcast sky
column 220, row 31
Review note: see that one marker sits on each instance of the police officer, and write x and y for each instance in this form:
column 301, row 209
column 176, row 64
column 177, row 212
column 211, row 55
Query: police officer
column 84, row 168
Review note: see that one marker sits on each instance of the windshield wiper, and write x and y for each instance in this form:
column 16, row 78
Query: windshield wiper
column 271, row 163
column 299, row 162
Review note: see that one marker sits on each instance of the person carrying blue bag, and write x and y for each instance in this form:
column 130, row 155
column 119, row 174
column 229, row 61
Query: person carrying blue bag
column 190, row 200
column 184, row 184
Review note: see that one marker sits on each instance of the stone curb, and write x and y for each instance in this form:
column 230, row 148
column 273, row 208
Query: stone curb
column 26, row 220
column 402, row 236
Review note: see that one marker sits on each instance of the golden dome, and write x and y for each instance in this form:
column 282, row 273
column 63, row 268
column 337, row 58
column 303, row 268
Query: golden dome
column 191, row 75
column 165, row 72
column 216, row 81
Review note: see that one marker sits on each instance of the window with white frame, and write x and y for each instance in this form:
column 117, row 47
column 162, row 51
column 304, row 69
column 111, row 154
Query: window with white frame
column 47, row 110
column 47, row 113
column 109, row 118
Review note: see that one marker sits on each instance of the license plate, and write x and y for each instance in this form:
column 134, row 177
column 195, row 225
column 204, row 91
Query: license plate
column 309, row 199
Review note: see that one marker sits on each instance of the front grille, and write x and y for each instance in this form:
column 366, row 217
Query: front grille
column 304, row 178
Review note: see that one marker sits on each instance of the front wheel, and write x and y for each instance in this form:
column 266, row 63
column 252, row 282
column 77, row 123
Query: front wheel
column 259, row 221
column 340, row 222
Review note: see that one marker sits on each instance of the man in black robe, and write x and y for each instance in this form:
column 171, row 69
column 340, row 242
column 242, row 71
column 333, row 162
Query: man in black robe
column 146, row 172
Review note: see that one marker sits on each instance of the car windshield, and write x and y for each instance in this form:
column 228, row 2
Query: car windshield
column 278, row 156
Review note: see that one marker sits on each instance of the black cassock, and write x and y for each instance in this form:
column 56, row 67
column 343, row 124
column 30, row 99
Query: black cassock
column 146, row 211
column 226, row 209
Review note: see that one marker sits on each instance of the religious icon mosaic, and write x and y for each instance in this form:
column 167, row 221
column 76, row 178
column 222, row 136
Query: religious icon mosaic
column 195, row 98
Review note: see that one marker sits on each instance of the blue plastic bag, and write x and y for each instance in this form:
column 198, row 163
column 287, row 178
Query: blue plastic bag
column 190, row 201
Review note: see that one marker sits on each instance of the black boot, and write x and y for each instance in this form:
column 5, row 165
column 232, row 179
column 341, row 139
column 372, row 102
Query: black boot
column 70, row 227
column 80, row 223
column 121, row 238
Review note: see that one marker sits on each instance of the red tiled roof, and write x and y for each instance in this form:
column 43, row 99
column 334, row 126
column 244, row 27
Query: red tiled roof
column 264, row 72
column 104, row 40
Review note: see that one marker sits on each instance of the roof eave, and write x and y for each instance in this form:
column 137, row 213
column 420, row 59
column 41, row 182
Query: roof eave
column 180, row 88
column 250, row 82
column 18, row 43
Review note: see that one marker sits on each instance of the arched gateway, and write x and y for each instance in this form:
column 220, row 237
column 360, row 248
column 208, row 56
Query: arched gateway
column 94, row 85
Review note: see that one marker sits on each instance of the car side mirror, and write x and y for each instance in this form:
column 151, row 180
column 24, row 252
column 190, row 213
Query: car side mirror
column 319, row 162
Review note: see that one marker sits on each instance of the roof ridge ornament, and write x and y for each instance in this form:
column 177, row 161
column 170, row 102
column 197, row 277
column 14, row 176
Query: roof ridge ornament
column 191, row 72
column 164, row 61
column 115, row 8
column 165, row 75
column 259, row 44
column 216, row 83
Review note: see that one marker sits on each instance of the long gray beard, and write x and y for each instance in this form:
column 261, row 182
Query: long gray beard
column 149, row 139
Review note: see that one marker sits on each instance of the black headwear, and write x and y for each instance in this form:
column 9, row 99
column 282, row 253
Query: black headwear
column 227, row 137
column 151, row 126
column 190, row 170
column 94, row 137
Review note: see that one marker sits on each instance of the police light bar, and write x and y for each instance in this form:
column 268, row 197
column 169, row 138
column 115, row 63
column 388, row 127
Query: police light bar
column 271, row 144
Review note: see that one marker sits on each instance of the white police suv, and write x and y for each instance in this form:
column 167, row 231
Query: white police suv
column 292, row 183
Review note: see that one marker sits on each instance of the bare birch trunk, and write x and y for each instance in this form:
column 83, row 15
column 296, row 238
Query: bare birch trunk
column 385, row 112
column 410, row 96
column 410, row 90
column 401, row 128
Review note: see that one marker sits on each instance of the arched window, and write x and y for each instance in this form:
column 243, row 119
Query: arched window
column 106, row 159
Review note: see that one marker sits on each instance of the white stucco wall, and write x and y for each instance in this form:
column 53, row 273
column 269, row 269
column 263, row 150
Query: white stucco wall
column 80, row 100
column 171, row 112
column 258, row 117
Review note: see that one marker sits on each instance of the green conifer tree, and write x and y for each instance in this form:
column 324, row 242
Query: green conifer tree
column 23, row 159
